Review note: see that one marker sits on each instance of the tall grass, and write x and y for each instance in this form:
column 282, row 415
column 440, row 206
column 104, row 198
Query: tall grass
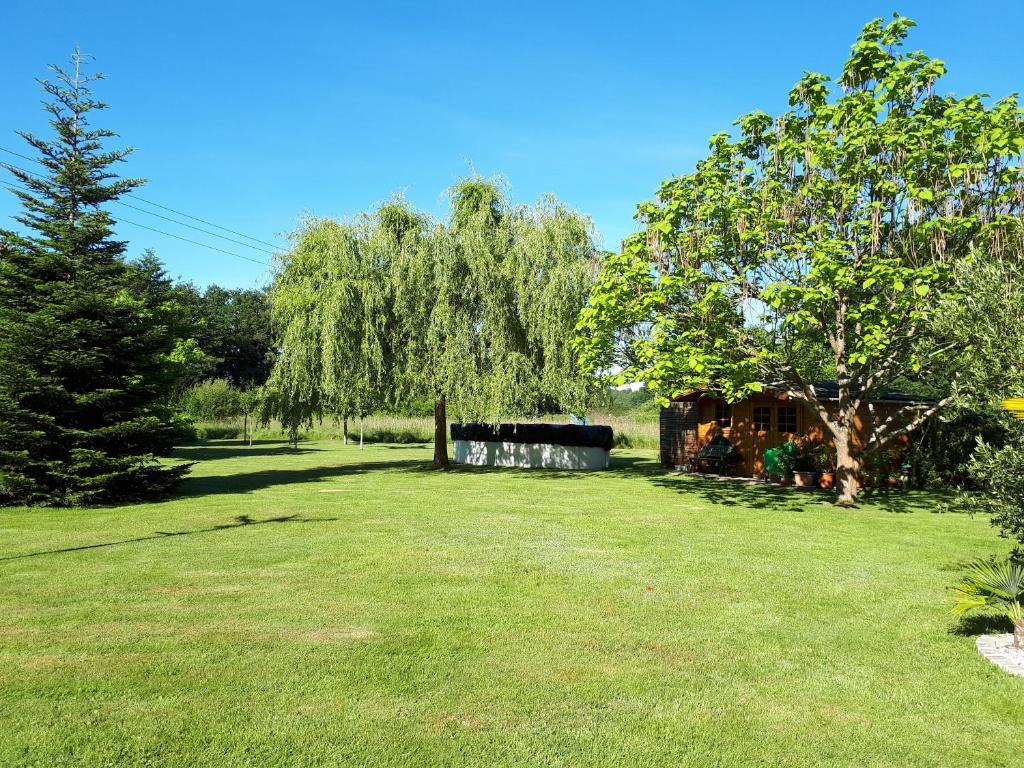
column 629, row 432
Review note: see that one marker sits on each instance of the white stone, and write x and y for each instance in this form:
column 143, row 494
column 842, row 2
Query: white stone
column 999, row 649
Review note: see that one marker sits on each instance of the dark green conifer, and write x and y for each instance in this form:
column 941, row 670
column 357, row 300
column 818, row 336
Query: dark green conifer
column 83, row 406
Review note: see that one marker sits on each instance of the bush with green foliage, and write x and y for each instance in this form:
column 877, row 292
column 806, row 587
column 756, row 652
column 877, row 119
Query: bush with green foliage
column 941, row 452
column 214, row 400
column 998, row 474
column 781, row 460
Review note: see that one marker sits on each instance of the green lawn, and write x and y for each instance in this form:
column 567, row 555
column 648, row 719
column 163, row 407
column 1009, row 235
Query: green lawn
column 335, row 606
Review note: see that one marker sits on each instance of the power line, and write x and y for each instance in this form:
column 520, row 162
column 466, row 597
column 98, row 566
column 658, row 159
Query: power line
column 36, row 176
column 159, row 205
column 121, row 220
column 190, row 226
column 187, row 240
column 203, row 221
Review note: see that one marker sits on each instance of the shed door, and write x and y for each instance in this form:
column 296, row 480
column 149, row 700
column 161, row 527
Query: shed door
column 678, row 433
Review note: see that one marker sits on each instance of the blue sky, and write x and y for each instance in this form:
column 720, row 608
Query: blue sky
column 252, row 114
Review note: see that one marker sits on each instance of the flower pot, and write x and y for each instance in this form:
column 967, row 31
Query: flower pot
column 804, row 479
column 827, row 480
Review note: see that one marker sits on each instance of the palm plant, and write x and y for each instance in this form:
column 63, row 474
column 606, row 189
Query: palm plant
column 997, row 585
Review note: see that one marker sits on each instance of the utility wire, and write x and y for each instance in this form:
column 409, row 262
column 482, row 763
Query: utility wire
column 158, row 205
column 191, row 226
column 187, row 240
column 37, row 177
column 119, row 219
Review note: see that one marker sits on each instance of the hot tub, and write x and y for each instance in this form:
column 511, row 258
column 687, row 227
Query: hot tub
column 547, row 446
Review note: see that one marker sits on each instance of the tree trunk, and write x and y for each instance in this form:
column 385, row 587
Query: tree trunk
column 360, row 433
column 344, row 431
column 245, row 427
column 440, row 434
column 1018, row 634
column 847, row 467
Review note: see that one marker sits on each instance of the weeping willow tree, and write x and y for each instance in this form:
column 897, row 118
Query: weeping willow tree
column 476, row 314
column 489, row 303
column 332, row 306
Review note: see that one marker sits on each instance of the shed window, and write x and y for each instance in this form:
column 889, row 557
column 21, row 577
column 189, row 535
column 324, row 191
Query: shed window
column 787, row 419
column 763, row 419
column 723, row 414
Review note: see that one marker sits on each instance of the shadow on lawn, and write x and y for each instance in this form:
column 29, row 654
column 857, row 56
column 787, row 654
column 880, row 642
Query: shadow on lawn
column 738, row 493
column 247, row 482
column 982, row 624
column 725, row 492
column 234, row 449
column 732, row 492
column 242, row 521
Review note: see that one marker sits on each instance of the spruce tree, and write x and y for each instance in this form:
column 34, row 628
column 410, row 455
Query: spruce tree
column 83, row 411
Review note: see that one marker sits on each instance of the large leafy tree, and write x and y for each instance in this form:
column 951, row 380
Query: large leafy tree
column 831, row 239
column 186, row 364
column 83, row 406
column 234, row 327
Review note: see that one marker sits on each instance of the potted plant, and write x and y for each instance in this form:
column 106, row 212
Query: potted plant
column 778, row 462
column 805, row 470
column 826, row 465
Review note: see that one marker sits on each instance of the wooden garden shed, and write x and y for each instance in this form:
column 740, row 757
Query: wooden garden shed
column 763, row 420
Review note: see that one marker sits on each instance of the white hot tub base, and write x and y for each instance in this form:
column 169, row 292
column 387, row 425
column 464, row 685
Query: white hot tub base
column 529, row 455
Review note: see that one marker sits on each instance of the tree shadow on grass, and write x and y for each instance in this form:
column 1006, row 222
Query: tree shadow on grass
column 241, row 521
column 248, row 482
column 903, row 501
column 726, row 492
column 981, row 624
column 741, row 492
column 235, row 449
column 736, row 492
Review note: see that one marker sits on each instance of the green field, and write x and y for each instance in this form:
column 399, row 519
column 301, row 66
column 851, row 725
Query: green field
column 336, row 606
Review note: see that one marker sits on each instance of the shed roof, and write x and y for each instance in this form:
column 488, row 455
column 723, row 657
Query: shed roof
column 827, row 391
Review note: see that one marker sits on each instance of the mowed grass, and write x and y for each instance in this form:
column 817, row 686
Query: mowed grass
column 331, row 606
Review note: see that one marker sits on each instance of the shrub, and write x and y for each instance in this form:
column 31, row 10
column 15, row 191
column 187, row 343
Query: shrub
column 999, row 476
column 217, row 431
column 941, row 451
column 214, row 400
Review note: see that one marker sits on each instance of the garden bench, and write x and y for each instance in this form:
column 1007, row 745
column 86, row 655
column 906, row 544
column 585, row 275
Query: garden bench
column 716, row 456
